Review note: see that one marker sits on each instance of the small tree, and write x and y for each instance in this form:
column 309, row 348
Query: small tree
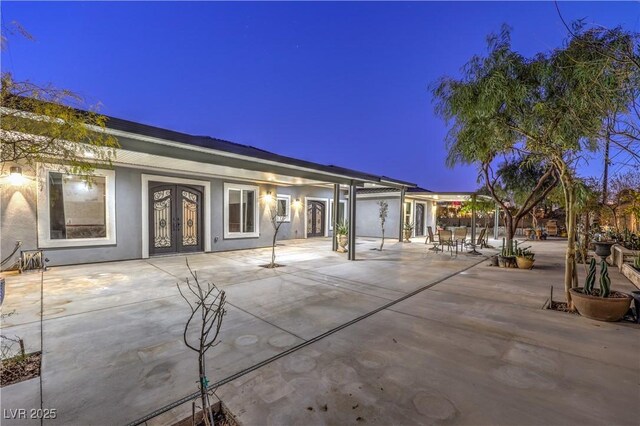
column 40, row 124
column 276, row 218
column 207, row 305
column 383, row 211
column 623, row 192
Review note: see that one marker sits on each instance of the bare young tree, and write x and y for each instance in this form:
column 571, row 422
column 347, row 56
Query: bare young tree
column 276, row 218
column 382, row 214
column 207, row 304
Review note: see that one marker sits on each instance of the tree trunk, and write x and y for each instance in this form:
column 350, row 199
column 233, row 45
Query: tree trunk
column 568, row 189
column 382, row 243
column 273, row 250
column 203, row 389
column 509, row 229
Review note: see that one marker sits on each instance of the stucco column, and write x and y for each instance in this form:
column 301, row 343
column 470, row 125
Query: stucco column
column 352, row 221
column 401, row 230
column 334, row 215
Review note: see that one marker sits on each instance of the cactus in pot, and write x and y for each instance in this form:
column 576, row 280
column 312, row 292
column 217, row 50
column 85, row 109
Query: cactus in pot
column 605, row 281
column 591, row 277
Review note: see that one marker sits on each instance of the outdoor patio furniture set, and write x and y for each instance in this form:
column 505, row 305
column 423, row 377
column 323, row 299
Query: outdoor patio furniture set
column 451, row 239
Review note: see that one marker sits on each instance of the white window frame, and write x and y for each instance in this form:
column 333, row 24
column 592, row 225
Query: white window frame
column 44, row 215
column 344, row 217
column 287, row 216
column 256, row 210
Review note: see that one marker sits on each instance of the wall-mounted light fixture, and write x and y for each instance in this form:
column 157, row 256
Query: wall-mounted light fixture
column 268, row 198
column 15, row 176
column 297, row 203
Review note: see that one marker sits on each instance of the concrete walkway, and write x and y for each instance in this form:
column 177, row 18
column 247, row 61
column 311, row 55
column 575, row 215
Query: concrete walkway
column 474, row 348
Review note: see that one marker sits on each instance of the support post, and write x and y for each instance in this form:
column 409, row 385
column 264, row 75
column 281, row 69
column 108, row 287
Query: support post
column 352, row 221
column 334, row 215
column 473, row 225
column 401, row 231
column 473, row 219
column 496, row 222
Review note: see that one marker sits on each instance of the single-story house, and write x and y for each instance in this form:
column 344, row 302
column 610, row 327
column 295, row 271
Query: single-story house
column 170, row 192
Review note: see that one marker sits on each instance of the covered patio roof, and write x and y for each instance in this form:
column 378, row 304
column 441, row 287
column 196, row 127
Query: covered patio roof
column 150, row 146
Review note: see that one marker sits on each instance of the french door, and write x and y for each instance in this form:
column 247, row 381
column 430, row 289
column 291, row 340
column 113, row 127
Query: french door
column 316, row 211
column 419, row 222
column 175, row 218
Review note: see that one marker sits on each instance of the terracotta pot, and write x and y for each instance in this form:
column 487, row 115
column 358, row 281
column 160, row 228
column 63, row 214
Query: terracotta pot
column 600, row 308
column 407, row 235
column 342, row 243
column 524, row 263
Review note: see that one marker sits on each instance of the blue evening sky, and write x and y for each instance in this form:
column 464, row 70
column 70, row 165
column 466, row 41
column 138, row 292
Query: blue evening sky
column 335, row 83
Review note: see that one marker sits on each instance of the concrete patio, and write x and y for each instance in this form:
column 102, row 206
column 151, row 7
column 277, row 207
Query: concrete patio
column 475, row 348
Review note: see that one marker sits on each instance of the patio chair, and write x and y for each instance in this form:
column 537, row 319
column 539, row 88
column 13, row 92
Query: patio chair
column 479, row 242
column 460, row 237
column 482, row 238
column 445, row 238
column 431, row 239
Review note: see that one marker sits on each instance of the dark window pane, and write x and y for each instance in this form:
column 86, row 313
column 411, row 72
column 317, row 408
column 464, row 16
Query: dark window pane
column 282, row 207
column 234, row 210
column 77, row 209
column 248, row 207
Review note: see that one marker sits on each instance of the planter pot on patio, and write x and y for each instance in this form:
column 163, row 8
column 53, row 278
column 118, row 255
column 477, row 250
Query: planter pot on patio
column 524, row 263
column 494, row 260
column 342, row 243
column 610, row 308
column 407, row 236
column 603, row 248
column 221, row 415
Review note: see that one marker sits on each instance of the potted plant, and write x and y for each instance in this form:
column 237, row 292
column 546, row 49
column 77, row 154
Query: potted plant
column 408, row 230
column 600, row 304
column 539, row 233
column 506, row 259
column 525, row 258
column 342, row 230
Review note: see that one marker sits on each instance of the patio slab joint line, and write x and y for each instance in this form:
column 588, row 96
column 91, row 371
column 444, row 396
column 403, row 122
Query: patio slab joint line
column 267, row 361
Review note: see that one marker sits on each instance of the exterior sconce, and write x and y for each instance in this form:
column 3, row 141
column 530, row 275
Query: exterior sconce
column 15, row 176
column 297, row 203
column 268, row 198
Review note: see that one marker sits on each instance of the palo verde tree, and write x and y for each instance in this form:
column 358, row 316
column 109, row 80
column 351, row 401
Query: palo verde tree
column 579, row 88
column 554, row 106
column 46, row 124
column 480, row 108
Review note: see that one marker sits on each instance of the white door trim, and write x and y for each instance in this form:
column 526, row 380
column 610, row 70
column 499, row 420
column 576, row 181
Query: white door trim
column 169, row 179
column 326, row 214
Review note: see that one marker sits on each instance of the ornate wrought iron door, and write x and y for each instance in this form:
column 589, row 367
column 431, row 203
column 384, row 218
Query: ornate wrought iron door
column 315, row 218
column 419, row 222
column 175, row 218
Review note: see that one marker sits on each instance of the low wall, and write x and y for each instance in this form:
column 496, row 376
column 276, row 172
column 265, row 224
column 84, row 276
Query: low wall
column 620, row 255
column 632, row 274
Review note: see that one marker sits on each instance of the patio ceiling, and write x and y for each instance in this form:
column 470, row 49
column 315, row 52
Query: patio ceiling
column 448, row 196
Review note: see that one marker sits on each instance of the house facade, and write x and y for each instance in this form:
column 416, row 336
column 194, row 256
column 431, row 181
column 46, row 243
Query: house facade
column 170, row 192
